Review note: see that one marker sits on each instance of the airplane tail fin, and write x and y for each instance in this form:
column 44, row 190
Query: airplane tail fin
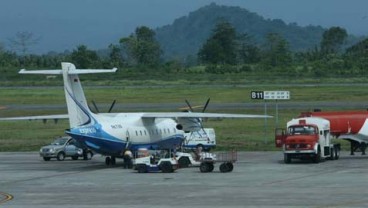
column 79, row 113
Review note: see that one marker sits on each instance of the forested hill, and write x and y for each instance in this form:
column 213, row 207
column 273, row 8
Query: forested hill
column 187, row 34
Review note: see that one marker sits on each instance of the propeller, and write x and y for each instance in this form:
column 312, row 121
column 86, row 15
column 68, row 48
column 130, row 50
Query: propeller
column 112, row 106
column 205, row 106
column 110, row 109
column 203, row 110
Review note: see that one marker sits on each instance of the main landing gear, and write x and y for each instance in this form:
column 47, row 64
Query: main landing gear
column 110, row 160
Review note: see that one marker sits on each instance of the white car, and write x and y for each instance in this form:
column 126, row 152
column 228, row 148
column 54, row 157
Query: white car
column 64, row 147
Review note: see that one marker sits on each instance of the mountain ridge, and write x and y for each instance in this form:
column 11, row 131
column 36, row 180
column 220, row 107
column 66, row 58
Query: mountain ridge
column 186, row 34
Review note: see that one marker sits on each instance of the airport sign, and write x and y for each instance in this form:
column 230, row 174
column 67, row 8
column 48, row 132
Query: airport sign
column 270, row 95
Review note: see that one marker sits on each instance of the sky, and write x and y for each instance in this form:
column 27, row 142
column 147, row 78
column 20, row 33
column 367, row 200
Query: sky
column 63, row 24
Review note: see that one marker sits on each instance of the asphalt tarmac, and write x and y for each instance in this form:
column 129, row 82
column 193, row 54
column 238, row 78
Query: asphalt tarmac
column 259, row 179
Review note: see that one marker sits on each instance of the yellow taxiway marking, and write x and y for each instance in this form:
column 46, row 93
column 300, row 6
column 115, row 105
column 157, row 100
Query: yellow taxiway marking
column 6, row 197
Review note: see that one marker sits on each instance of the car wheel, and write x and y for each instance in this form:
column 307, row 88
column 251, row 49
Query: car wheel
column 166, row 167
column 204, row 167
column 46, row 158
column 142, row 169
column 184, row 162
column 60, row 156
column 88, row 155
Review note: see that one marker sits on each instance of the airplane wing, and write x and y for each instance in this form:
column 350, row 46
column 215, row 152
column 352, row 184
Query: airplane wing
column 46, row 117
column 200, row 115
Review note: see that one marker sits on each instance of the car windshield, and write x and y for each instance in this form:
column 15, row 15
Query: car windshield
column 60, row 141
column 302, row 130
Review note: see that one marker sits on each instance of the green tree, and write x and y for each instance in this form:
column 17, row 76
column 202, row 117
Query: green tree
column 333, row 39
column 221, row 47
column 115, row 56
column 357, row 56
column 248, row 52
column 142, row 48
column 277, row 51
column 84, row 58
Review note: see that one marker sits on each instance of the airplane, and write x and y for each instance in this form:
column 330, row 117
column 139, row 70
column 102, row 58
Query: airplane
column 110, row 134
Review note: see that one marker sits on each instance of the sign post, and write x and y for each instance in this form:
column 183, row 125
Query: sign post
column 270, row 95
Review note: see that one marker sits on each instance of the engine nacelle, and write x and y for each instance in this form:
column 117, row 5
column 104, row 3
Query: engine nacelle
column 189, row 124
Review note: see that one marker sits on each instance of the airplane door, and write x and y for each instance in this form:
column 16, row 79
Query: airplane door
column 280, row 136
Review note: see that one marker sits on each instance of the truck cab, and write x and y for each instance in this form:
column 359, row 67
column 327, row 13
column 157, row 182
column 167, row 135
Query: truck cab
column 307, row 138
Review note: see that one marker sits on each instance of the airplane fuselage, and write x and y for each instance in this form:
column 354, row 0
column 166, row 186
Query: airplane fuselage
column 112, row 134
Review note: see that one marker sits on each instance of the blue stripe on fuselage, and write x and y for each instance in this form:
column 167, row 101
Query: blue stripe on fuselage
column 114, row 147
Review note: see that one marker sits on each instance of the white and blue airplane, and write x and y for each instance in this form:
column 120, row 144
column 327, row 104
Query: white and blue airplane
column 110, row 134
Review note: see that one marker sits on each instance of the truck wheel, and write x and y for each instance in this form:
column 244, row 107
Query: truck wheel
column 337, row 153
column 166, row 167
column 46, row 158
column 287, row 158
column 204, row 167
column 184, row 162
column 317, row 157
column 332, row 153
column 60, row 156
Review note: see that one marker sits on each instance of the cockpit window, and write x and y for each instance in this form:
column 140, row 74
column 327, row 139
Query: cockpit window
column 302, row 130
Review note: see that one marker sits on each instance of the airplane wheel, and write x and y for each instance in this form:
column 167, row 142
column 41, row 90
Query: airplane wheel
column 113, row 161
column 60, row 156
column 107, row 160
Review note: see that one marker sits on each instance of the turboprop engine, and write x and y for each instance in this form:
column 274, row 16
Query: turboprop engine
column 189, row 124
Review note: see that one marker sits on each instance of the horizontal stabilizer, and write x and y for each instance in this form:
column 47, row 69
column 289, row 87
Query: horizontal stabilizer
column 75, row 71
